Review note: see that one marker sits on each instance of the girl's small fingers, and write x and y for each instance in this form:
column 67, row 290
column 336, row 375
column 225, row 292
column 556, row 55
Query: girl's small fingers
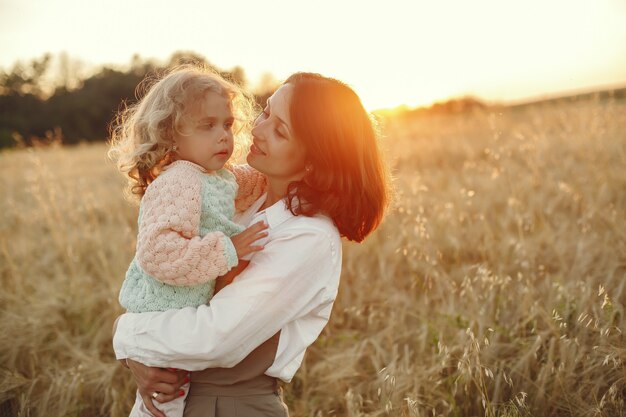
column 257, row 227
column 257, row 236
column 262, row 224
column 252, row 249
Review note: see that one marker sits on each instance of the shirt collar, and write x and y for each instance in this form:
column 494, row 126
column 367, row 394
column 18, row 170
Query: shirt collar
column 277, row 213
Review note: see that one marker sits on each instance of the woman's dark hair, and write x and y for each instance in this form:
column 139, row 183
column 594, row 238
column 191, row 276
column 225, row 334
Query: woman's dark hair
column 348, row 180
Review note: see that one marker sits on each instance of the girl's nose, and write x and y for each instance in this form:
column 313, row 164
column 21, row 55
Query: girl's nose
column 225, row 135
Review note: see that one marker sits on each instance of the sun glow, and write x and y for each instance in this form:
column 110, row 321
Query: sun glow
column 398, row 53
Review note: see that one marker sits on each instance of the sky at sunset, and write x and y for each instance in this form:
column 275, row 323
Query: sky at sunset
column 392, row 52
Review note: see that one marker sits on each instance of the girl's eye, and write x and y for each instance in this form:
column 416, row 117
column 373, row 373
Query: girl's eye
column 228, row 125
column 208, row 126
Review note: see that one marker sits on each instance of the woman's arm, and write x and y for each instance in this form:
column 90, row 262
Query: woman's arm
column 296, row 273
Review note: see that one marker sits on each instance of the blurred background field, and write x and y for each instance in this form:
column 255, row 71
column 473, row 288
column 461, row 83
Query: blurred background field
column 496, row 285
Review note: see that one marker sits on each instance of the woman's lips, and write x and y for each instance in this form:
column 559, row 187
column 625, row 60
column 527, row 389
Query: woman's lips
column 255, row 150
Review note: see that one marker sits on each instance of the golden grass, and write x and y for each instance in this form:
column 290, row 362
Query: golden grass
column 495, row 287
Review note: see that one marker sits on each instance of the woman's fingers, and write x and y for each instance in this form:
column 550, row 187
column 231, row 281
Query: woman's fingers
column 155, row 375
column 160, row 397
column 167, row 382
column 183, row 377
column 147, row 400
column 164, row 398
column 151, row 379
column 165, row 389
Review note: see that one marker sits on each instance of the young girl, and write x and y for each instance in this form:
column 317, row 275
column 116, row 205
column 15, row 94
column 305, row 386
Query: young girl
column 173, row 146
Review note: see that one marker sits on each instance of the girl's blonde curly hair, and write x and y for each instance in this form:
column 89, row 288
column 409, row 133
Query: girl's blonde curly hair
column 142, row 134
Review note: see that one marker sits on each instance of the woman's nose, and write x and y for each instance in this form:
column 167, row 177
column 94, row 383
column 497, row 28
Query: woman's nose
column 257, row 131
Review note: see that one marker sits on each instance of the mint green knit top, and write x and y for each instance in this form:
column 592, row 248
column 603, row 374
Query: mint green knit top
column 183, row 245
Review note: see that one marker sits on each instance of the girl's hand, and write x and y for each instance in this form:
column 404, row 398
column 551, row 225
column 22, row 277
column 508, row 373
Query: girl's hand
column 165, row 382
column 243, row 242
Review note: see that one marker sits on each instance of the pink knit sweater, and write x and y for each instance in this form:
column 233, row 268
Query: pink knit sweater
column 169, row 247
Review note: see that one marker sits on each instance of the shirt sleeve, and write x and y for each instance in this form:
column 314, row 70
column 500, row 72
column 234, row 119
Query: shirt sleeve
column 168, row 246
column 285, row 281
column 252, row 184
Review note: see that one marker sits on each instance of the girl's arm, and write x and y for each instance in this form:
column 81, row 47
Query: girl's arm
column 252, row 184
column 168, row 246
column 295, row 276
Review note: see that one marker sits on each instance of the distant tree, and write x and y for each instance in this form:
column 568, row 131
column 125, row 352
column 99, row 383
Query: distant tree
column 76, row 107
column 24, row 114
column 236, row 75
column 265, row 88
column 70, row 72
column 25, row 79
column 457, row 105
column 187, row 57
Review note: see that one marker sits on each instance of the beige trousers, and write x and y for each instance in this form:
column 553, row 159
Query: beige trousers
column 241, row 391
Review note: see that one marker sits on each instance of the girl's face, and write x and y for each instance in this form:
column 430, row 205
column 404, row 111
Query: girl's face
column 275, row 151
column 207, row 136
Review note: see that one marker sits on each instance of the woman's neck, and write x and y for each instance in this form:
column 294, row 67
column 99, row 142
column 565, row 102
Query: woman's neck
column 276, row 190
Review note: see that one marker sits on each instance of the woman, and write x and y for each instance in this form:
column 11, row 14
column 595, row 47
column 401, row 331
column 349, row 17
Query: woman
column 317, row 146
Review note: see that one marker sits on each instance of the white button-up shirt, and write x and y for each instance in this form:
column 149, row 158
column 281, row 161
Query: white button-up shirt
column 290, row 286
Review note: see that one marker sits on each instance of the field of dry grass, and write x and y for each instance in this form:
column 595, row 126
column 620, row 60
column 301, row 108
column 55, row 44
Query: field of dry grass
column 495, row 287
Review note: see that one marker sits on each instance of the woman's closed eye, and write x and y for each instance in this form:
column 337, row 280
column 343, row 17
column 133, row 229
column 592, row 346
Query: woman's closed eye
column 280, row 134
column 277, row 130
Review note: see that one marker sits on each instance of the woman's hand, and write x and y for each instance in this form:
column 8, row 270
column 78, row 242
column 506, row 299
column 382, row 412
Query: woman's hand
column 165, row 382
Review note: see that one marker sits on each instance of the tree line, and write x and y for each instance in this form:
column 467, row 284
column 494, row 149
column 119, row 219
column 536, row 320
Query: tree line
column 73, row 109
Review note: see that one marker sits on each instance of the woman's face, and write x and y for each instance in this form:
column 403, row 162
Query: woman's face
column 275, row 151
